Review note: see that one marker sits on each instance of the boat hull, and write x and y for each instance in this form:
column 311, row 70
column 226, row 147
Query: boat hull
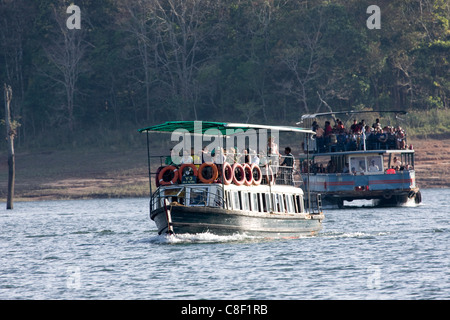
column 225, row 222
column 380, row 198
column 383, row 189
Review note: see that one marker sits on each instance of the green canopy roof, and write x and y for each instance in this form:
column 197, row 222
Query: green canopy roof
column 201, row 127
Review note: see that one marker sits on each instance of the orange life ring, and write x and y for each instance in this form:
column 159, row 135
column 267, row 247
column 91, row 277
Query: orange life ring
column 215, row 172
column 240, row 168
column 227, row 179
column 161, row 174
column 256, row 169
column 247, row 174
column 184, row 166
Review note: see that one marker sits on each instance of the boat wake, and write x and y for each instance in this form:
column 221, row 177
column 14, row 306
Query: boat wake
column 205, row 237
column 357, row 234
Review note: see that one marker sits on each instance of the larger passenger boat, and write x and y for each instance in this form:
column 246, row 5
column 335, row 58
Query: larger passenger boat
column 236, row 195
column 347, row 163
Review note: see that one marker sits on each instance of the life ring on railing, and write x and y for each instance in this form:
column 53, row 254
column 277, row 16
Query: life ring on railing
column 240, row 169
column 163, row 174
column 227, row 178
column 201, row 172
column 187, row 165
column 256, row 171
column 247, row 174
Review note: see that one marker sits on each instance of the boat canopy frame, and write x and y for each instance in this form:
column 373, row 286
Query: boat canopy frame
column 350, row 112
column 192, row 127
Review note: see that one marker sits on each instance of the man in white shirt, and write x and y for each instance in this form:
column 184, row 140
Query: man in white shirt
column 397, row 163
column 373, row 167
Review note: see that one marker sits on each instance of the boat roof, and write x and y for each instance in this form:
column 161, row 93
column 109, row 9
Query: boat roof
column 324, row 114
column 200, row 127
column 362, row 152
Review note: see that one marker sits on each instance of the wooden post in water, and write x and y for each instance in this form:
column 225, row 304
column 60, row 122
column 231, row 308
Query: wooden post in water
column 10, row 133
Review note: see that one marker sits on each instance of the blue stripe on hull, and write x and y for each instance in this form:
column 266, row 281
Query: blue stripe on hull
column 347, row 182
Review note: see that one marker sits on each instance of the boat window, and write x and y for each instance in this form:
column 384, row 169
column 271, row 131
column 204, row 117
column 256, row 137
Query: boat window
column 263, row 203
column 268, row 203
column 172, row 194
column 274, row 203
column 218, row 201
column 300, row 204
column 198, row 197
column 375, row 164
column 278, row 203
column 236, row 202
column 289, row 203
column 244, row 198
column 260, row 203
column 255, row 204
column 229, row 203
column 357, row 164
column 281, row 202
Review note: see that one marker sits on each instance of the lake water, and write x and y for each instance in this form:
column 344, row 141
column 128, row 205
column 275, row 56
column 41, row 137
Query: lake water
column 109, row 249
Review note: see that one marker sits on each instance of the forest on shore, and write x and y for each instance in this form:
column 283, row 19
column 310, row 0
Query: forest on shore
column 134, row 63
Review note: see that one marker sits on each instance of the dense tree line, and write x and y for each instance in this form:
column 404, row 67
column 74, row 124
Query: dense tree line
column 139, row 62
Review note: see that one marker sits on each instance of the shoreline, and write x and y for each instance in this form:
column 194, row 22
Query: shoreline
column 97, row 174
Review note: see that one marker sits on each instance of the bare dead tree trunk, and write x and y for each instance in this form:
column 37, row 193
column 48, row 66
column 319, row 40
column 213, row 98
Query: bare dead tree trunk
column 65, row 54
column 10, row 133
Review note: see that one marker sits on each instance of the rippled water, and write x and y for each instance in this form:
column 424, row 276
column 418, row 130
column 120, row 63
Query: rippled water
column 108, row 249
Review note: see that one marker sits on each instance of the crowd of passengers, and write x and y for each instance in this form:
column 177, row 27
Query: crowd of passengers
column 360, row 136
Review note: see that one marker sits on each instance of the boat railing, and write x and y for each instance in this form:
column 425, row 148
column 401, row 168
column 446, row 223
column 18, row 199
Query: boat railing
column 283, row 168
column 316, row 204
column 340, row 142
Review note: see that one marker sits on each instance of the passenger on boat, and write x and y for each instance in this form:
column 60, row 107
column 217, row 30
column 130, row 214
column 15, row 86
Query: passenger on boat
column 396, row 163
column 186, row 158
column 219, row 156
column 373, row 167
column 355, row 128
column 274, row 155
column 346, row 169
column 206, row 156
column 263, row 159
column 319, row 136
column 231, row 155
column 340, row 129
column 390, row 171
column 288, row 166
column 331, row 168
column 328, row 128
column 321, row 169
column 254, row 159
column 362, row 166
column 400, row 138
column 376, row 125
column 368, row 131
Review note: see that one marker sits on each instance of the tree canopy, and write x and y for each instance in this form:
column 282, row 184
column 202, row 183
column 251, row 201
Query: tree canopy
column 136, row 63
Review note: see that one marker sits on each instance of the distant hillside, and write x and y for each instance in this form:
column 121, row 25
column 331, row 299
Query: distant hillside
column 137, row 63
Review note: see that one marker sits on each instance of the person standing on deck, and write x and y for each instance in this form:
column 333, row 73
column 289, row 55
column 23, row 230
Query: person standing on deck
column 288, row 166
